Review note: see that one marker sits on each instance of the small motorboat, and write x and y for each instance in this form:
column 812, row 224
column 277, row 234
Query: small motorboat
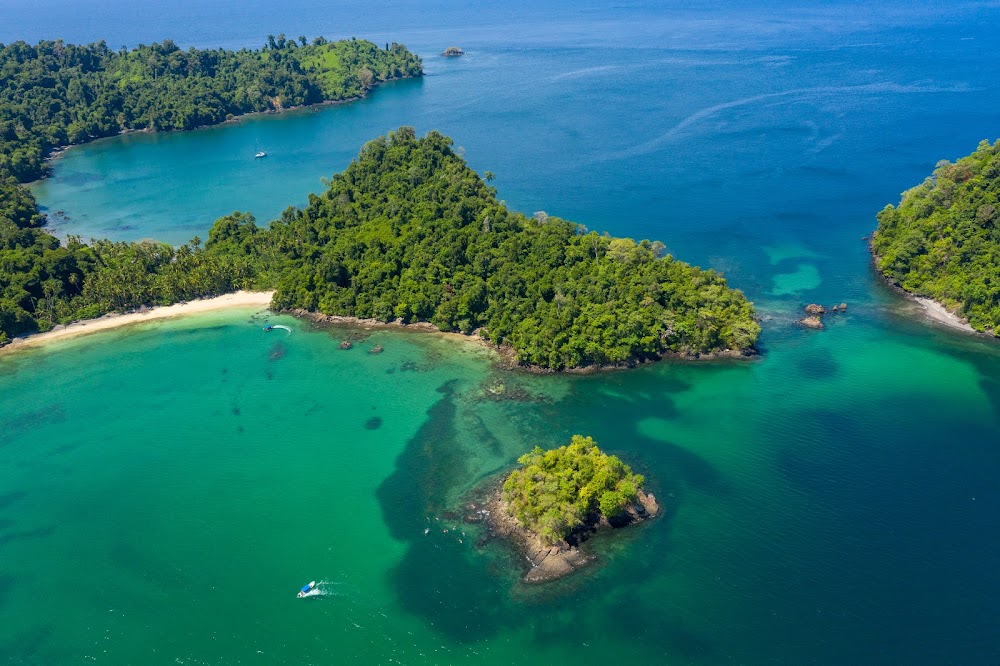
column 260, row 154
column 309, row 590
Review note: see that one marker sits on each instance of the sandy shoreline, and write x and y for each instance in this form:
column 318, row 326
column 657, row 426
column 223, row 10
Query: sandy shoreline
column 239, row 299
column 931, row 308
column 940, row 313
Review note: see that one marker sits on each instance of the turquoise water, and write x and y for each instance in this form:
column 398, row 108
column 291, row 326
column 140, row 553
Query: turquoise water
column 165, row 490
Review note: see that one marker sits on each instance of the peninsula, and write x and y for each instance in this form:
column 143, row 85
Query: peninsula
column 557, row 499
column 942, row 243
column 407, row 233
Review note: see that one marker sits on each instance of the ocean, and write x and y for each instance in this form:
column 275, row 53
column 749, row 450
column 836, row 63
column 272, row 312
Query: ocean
column 166, row 489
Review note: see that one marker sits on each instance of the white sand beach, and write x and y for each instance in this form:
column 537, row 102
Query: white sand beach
column 940, row 313
column 239, row 299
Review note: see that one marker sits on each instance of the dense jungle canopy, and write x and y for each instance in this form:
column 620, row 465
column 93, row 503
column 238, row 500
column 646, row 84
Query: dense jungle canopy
column 554, row 492
column 943, row 240
column 408, row 231
column 55, row 94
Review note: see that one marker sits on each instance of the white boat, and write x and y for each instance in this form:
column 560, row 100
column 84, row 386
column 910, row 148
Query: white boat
column 260, row 154
column 309, row 590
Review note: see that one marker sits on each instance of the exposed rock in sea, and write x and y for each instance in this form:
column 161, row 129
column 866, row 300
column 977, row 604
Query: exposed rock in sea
column 377, row 349
column 842, row 307
column 452, row 51
column 346, row 344
column 812, row 322
column 815, row 309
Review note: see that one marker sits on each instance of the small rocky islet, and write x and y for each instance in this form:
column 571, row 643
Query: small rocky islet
column 815, row 313
column 558, row 499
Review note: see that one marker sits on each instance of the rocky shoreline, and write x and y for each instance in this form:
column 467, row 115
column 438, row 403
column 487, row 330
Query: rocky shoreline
column 505, row 353
column 931, row 309
column 545, row 562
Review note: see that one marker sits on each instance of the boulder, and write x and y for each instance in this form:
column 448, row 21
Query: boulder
column 346, row 344
column 843, row 307
column 815, row 309
column 648, row 502
column 812, row 322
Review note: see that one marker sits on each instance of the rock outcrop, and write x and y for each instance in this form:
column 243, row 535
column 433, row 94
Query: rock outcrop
column 816, row 311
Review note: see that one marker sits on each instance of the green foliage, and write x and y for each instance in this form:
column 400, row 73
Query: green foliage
column 555, row 492
column 55, row 94
column 409, row 232
column 943, row 240
column 44, row 283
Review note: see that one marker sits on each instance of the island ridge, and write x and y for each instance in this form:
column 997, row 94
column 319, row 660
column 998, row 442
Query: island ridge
column 409, row 233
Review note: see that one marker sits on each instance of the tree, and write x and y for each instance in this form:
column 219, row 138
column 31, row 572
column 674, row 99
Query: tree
column 555, row 492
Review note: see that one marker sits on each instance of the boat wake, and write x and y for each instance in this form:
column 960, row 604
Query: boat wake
column 323, row 588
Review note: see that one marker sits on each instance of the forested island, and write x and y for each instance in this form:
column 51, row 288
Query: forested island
column 943, row 240
column 407, row 233
column 55, row 94
column 555, row 500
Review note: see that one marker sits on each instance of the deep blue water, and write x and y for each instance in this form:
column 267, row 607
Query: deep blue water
column 837, row 499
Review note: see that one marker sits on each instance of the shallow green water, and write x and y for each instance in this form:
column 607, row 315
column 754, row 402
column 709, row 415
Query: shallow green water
column 834, row 501
column 167, row 488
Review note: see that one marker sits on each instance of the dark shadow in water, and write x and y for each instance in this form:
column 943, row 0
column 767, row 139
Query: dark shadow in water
column 374, row 423
column 988, row 367
column 436, row 580
column 629, row 619
column 805, row 459
column 467, row 596
column 424, row 470
column 54, row 413
column 8, row 498
column 6, row 584
column 9, row 368
column 68, row 447
column 37, row 533
column 819, row 364
column 27, row 647
column 604, row 418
